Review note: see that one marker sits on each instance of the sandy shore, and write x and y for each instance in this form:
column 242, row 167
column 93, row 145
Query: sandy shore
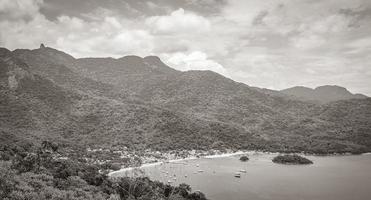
column 145, row 165
column 249, row 153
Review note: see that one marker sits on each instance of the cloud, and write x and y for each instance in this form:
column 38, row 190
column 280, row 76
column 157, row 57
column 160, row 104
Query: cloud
column 359, row 47
column 307, row 41
column 270, row 43
column 361, row 43
column 118, row 39
column 316, row 33
column 245, row 12
column 19, row 9
column 104, row 36
column 194, row 61
column 179, row 21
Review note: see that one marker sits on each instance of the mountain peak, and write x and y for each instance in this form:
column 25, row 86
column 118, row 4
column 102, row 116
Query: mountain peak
column 132, row 60
column 4, row 52
column 152, row 58
column 131, row 57
column 12, row 70
column 330, row 87
column 156, row 62
column 322, row 94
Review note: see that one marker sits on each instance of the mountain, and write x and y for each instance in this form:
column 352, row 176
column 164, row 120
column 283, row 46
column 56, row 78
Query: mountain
column 321, row 94
column 35, row 108
column 142, row 103
column 52, row 64
column 29, row 103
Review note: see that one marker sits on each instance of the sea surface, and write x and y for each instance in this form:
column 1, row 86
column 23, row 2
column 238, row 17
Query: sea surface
column 329, row 178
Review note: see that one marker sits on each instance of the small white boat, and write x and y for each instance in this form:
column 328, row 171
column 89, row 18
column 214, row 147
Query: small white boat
column 185, row 175
column 243, row 171
column 197, row 165
column 237, row 175
column 169, row 181
column 200, row 170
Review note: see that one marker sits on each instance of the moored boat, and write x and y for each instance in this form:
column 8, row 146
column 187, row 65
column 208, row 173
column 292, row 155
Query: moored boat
column 237, row 175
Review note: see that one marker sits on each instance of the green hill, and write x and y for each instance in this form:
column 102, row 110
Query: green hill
column 142, row 103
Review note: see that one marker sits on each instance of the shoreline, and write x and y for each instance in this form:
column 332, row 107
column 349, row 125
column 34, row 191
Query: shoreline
column 223, row 155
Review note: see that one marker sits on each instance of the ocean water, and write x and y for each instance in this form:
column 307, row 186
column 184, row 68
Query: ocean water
column 329, row 178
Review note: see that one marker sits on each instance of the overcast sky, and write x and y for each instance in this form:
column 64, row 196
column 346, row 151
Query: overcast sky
column 266, row 43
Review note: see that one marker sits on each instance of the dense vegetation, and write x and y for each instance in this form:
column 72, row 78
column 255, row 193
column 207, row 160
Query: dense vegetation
column 244, row 158
column 323, row 94
column 140, row 104
column 291, row 159
column 40, row 173
column 143, row 104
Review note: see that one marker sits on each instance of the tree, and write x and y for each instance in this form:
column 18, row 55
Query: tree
column 7, row 183
column 244, row 158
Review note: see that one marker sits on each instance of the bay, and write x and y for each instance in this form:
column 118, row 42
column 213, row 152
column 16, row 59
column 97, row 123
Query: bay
column 329, row 178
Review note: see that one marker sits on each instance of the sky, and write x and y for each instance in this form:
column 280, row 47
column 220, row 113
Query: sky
column 273, row 44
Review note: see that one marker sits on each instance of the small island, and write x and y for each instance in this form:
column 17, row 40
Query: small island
column 291, row 159
column 244, row 158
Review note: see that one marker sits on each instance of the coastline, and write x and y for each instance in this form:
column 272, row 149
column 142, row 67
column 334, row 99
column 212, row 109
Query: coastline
column 223, row 155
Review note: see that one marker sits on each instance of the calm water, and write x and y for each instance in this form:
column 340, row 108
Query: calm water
column 329, row 178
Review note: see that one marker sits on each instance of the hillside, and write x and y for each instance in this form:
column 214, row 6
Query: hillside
column 322, row 94
column 142, row 103
column 36, row 108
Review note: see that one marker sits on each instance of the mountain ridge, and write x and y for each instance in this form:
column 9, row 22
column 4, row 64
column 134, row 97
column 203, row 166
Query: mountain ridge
column 118, row 103
column 321, row 94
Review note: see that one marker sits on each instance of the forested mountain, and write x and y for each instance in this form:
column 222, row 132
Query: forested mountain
column 322, row 94
column 142, row 103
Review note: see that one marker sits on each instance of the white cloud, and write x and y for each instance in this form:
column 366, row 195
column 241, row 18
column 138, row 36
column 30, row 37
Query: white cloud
column 16, row 9
column 270, row 43
column 307, row 41
column 179, row 21
column 194, row 61
column 104, row 36
column 361, row 43
column 22, row 34
column 244, row 12
column 107, row 37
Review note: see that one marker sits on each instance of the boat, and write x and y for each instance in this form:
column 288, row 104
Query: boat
column 185, row 175
column 237, row 175
column 200, row 170
column 243, row 171
column 197, row 165
column 169, row 181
